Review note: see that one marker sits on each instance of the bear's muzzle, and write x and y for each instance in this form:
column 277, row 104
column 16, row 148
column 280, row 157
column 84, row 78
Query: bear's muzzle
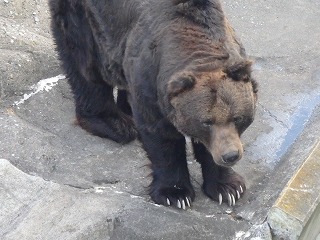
column 225, row 145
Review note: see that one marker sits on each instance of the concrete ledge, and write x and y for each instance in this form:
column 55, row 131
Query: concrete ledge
column 296, row 212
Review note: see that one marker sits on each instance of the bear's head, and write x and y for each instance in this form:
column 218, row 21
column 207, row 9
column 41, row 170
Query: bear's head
column 214, row 108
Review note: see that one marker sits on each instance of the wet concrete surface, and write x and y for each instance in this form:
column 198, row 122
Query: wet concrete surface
column 38, row 135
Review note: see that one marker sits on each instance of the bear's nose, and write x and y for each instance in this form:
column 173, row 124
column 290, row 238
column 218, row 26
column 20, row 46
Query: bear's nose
column 231, row 157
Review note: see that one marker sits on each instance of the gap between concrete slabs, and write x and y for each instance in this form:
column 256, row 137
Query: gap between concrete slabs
column 296, row 213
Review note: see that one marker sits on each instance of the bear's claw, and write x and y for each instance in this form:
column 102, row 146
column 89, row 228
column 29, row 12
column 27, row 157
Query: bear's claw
column 241, row 189
column 220, row 199
column 184, row 203
column 178, row 204
column 188, row 202
column 228, row 188
column 231, row 199
column 181, row 203
column 238, row 194
column 228, row 193
column 179, row 197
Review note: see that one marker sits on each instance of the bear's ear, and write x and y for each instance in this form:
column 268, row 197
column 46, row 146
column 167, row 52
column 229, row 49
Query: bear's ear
column 239, row 71
column 254, row 86
column 176, row 2
column 194, row 2
column 180, row 84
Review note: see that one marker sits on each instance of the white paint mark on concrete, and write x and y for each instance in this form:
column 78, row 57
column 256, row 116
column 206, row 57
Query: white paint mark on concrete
column 42, row 85
column 135, row 196
column 301, row 190
column 242, row 235
column 119, row 192
column 248, row 234
column 156, row 205
column 99, row 189
column 103, row 189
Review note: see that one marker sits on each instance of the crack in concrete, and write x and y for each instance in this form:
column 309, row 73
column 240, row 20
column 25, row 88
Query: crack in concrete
column 270, row 228
column 23, row 212
column 256, row 231
column 270, row 114
column 1, row 89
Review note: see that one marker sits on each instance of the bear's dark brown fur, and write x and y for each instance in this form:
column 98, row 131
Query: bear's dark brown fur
column 183, row 72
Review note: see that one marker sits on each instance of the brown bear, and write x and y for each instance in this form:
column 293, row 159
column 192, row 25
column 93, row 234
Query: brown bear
column 180, row 71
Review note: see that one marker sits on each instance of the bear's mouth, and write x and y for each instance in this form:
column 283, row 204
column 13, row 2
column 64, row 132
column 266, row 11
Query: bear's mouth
column 227, row 159
column 225, row 155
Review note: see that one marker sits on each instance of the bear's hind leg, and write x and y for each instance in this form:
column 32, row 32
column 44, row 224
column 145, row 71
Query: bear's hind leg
column 96, row 109
column 221, row 184
column 97, row 112
column 122, row 102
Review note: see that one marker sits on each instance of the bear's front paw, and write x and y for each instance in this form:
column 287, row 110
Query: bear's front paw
column 229, row 187
column 180, row 196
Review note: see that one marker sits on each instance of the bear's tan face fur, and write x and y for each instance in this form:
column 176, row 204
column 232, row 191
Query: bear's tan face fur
column 214, row 109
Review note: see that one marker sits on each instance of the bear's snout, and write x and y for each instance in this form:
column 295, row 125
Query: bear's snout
column 225, row 145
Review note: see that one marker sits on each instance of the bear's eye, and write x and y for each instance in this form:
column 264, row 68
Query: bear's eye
column 238, row 119
column 208, row 123
column 242, row 123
